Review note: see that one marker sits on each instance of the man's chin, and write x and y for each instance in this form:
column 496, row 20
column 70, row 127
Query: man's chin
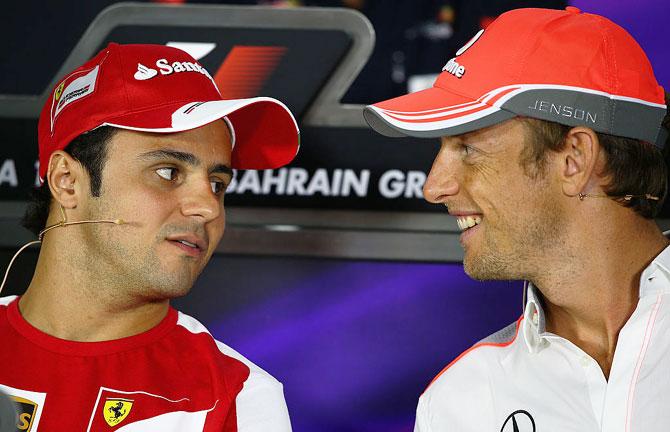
column 174, row 284
column 169, row 292
column 485, row 268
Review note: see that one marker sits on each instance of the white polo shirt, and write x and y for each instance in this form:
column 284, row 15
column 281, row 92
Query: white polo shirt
column 525, row 379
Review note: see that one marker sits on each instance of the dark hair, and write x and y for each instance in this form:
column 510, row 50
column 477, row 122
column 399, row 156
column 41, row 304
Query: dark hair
column 89, row 149
column 633, row 166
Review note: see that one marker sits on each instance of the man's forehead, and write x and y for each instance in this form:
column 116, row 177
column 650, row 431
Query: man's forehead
column 209, row 143
column 512, row 129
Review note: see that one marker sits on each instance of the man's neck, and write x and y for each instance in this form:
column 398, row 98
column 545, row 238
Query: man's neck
column 67, row 301
column 589, row 296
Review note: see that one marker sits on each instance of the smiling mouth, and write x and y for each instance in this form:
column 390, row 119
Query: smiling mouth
column 467, row 222
column 189, row 244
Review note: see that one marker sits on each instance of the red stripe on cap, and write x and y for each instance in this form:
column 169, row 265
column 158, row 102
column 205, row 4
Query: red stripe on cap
column 488, row 98
column 245, row 70
column 432, row 111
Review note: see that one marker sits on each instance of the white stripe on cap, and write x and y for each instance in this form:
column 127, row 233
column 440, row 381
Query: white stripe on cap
column 232, row 132
column 445, row 112
column 442, row 124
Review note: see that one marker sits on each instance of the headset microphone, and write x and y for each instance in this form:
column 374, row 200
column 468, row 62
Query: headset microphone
column 62, row 223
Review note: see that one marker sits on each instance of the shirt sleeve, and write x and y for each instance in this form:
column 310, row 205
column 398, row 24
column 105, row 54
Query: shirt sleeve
column 422, row 423
column 261, row 406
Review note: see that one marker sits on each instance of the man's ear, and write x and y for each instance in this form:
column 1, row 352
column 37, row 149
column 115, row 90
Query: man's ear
column 580, row 159
column 66, row 178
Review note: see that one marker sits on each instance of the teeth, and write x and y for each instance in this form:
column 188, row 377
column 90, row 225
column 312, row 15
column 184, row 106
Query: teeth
column 466, row 222
column 189, row 244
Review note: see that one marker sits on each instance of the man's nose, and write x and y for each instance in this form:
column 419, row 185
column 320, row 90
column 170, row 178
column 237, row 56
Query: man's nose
column 201, row 201
column 442, row 182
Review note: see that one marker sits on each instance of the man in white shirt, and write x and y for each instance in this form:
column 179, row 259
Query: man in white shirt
column 552, row 126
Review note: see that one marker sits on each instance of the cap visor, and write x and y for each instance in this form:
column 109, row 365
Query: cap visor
column 266, row 133
column 432, row 113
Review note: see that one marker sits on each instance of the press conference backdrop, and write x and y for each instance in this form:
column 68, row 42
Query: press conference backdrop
column 355, row 341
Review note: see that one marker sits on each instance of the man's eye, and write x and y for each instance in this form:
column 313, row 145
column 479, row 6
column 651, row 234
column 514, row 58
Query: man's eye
column 467, row 150
column 167, row 173
column 218, row 187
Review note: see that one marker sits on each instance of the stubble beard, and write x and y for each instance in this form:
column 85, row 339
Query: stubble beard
column 522, row 249
column 131, row 268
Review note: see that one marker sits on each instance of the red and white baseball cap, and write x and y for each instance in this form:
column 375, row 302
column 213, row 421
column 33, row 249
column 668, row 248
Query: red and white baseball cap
column 156, row 88
column 563, row 66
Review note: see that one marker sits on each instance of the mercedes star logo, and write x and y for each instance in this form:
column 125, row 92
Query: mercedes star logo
column 519, row 421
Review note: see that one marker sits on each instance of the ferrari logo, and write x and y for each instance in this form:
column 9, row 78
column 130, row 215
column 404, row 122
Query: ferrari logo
column 59, row 91
column 116, row 410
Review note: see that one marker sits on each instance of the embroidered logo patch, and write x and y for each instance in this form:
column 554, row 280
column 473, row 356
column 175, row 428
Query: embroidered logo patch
column 144, row 73
column 143, row 411
column 73, row 88
column 29, row 406
column 59, row 91
column 26, row 410
column 470, row 43
column 455, row 68
column 519, row 421
column 116, row 410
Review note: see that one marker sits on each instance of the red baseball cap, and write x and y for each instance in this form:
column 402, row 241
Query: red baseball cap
column 564, row 66
column 156, row 88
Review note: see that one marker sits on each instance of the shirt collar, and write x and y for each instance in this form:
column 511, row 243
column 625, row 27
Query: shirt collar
column 658, row 270
column 654, row 280
column 533, row 324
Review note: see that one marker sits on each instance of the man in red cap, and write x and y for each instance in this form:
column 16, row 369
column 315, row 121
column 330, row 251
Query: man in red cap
column 136, row 149
column 551, row 163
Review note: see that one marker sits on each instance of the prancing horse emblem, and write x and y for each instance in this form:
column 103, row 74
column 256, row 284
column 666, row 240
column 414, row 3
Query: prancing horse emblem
column 116, row 410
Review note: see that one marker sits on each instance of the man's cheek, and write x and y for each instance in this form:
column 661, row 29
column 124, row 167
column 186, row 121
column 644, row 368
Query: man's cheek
column 216, row 234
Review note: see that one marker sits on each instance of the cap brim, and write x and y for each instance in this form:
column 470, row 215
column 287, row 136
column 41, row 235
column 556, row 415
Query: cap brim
column 266, row 135
column 432, row 113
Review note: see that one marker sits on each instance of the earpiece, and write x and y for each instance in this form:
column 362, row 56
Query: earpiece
column 49, row 228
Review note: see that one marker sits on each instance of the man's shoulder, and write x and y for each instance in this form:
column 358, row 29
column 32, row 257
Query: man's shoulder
column 458, row 396
column 4, row 304
column 195, row 328
column 475, row 367
column 260, row 404
column 5, row 301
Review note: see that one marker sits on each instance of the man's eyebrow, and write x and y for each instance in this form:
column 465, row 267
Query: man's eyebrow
column 220, row 169
column 188, row 158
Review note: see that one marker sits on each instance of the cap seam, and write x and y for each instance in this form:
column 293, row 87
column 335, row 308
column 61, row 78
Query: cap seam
column 655, row 143
column 153, row 107
column 611, row 73
column 470, row 98
column 524, row 59
column 614, row 71
column 120, row 63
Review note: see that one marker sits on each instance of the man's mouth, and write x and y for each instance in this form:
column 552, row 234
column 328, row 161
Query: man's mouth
column 189, row 243
column 467, row 222
column 189, row 248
